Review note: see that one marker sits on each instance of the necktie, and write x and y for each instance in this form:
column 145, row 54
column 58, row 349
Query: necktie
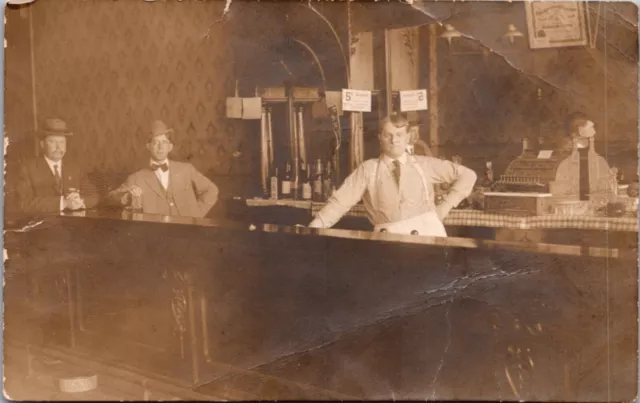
column 56, row 175
column 396, row 171
column 164, row 167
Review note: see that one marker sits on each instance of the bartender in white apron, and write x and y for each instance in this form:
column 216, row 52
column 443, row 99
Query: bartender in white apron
column 396, row 188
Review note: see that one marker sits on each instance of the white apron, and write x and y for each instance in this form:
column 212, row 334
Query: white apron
column 427, row 224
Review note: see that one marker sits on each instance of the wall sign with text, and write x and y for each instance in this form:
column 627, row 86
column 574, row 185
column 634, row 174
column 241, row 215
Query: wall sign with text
column 553, row 24
column 414, row 100
column 356, row 100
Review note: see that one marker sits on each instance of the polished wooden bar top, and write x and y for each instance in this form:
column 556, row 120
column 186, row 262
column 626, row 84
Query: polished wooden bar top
column 258, row 311
column 22, row 223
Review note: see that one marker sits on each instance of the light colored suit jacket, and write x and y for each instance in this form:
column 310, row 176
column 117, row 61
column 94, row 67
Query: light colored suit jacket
column 190, row 194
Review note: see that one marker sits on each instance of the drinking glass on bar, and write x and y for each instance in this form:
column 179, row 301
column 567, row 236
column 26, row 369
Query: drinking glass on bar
column 136, row 203
column 68, row 191
column 78, row 203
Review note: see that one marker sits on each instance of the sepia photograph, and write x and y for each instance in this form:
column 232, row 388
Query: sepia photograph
column 236, row 200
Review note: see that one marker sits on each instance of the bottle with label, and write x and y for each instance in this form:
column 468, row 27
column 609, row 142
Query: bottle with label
column 295, row 179
column 302, row 176
column 274, row 185
column 318, row 182
column 328, row 185
column 488, row 172
column 306, row 184
column 285, row 188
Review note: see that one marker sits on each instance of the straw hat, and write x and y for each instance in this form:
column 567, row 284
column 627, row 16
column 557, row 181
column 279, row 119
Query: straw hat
column 159, row 128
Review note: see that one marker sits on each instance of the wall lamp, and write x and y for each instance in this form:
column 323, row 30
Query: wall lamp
column 449, row 33
column 512, row 33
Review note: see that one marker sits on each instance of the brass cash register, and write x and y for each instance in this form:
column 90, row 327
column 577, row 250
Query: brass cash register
column 536, row 181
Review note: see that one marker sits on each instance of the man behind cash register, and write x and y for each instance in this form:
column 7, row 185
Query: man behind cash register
column 396, row 188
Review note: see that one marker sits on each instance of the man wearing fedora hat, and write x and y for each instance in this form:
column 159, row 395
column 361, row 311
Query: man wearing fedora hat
column 167, row 187
column 51, row 183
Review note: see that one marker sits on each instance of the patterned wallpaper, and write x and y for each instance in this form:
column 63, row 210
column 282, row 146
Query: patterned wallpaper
column 111, row 67
column 18, row 110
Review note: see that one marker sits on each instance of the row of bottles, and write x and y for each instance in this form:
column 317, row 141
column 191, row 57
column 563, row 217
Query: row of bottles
column 317, row 184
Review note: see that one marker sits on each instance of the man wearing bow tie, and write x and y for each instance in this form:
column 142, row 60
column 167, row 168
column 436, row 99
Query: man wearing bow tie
column 167, row 187
column 51, row 183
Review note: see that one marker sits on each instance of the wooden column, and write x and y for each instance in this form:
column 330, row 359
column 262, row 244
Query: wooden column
column 34, row 104
column 387, row 61
column 361, row 63
column 434, row 123
column 294, row 147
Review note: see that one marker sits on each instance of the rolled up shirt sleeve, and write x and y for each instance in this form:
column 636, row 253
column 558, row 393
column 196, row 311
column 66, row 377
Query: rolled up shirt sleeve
column 461, row 178
column 343, row 199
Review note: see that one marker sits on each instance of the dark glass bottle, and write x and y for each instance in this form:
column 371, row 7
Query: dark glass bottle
column 302, row 176
column 306, row 184
column 286, row 188
column 273, row 185
column 318, row 182
column 328, row 187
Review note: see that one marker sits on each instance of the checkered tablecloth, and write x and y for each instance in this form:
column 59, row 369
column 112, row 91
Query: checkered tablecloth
column 476, row 218
column 482, row 219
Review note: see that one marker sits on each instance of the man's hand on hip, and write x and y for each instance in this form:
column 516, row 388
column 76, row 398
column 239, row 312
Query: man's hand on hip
column 443, row 209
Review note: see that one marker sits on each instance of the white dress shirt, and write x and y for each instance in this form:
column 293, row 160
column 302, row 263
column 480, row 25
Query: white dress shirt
column 52, row 164
column 163, row 176
column 385, row 201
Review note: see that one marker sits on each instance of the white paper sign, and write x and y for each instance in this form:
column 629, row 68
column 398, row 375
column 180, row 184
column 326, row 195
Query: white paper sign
column 414, row 100
column 356, row 100
column 252, row 108
column 234, row 108
column 545, row 154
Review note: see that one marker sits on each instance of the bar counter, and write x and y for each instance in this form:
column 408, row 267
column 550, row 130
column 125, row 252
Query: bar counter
column 262, row 311
column 482, row 219
column 600, row 230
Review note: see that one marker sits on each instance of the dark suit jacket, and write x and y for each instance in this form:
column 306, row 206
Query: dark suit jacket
column 192, row 193
column 36, row 188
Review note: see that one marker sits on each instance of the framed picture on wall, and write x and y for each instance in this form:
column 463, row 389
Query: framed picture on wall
column 554, row 24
